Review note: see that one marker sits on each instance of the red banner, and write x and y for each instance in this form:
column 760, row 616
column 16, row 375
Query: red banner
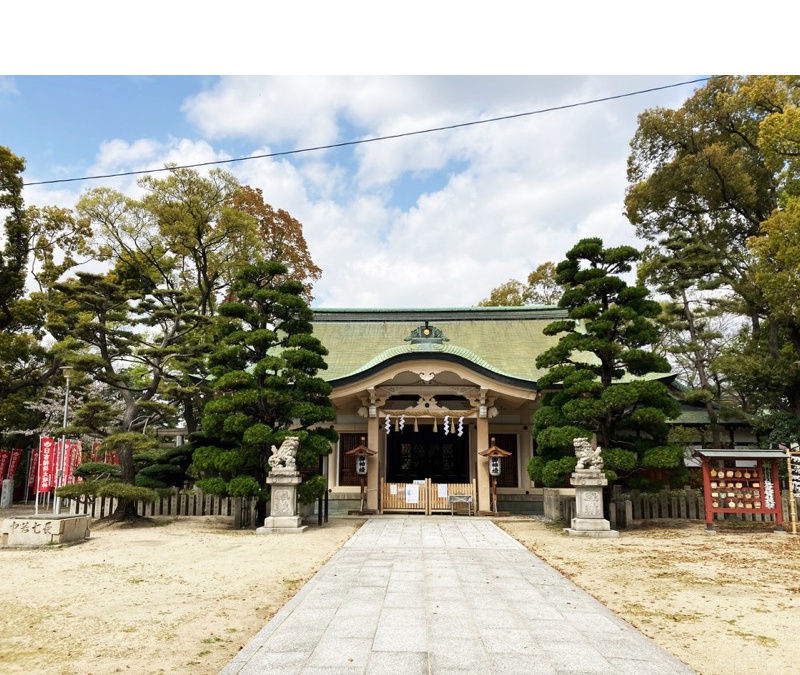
column 5, row 456
column 96, row 451
column 66, row 479
column 16, row 453
column 33, row 464
column 47, row 464
column 72, row 460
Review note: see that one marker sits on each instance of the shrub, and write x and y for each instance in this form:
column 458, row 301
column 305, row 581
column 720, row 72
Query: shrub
column 312, row 489
column 124, row 491
column 97, row 470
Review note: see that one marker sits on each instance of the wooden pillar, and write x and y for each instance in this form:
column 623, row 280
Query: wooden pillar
column 373, row 462
column 776, row 486
column 707, row 494
column 484, row 487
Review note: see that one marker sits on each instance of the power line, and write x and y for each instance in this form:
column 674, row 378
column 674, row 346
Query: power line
column 345, row 144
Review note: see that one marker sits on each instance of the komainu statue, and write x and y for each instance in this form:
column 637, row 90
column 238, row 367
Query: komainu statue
column 283, row 458
column 588, row 457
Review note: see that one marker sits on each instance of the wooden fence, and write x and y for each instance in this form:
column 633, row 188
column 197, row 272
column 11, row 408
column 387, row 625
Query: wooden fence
column 425, row 497
column 685, row 504
column 558, row 507
column 242, row 511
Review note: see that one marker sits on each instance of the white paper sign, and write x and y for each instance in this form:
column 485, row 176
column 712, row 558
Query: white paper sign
column 412, row 494
column 441, row 490
column 392, row 489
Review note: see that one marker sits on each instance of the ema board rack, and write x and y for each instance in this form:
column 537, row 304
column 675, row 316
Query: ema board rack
column 741, row 481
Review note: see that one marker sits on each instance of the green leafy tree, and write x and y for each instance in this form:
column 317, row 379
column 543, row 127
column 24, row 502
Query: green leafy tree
column 540, row 289
column 705, row 180
column 597, row 372
column 176, row 246
column 127, row 340
column 766, row 361
column 265, row 369
column 187, row 236
column 40, row 245
column 690, row 320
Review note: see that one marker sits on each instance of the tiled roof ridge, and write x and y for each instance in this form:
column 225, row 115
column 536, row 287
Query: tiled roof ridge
column 438, row 313
column 455, row 350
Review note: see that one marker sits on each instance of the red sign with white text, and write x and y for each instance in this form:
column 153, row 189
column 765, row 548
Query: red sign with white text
column 67, row 477
column 73, row 461
column 33, row 464
column 16, row 453
column 5, row 456
column 47, row 464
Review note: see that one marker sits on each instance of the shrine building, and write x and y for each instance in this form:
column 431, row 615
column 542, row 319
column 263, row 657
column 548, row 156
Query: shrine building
column 428, row 390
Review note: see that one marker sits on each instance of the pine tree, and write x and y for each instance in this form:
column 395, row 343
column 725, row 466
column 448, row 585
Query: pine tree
column 265, row 378
column 598, row 371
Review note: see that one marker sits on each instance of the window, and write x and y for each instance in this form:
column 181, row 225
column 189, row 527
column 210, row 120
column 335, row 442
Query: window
column 509, row 475
column 347, row 463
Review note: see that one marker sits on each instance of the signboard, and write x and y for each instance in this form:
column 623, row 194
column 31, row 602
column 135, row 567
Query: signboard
column 16, row 453
column 47, row 464
column 66, row 479
column 412, row 494
column 5, row 456
column 33, row 465
column 77, row 459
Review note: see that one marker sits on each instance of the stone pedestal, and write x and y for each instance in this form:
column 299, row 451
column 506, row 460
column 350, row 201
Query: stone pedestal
column 41, row 530
column 7, row 495
column 588, row 520
column 283, row 518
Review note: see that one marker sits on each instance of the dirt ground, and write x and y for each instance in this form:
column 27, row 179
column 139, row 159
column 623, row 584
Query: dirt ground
column 180, row 596
column 725, row 603
column 184, row 595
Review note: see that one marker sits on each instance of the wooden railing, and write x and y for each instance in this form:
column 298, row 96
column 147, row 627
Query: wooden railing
column 424, row 496
column 682, row 505
column 242, row 511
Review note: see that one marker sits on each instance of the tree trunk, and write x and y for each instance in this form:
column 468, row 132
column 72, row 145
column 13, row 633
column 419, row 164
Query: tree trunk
column 700, row 365
column 125, row 511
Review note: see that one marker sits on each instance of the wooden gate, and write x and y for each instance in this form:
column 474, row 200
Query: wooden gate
column 426, row 497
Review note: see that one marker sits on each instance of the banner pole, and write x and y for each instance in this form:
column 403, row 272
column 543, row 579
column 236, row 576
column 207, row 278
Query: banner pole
column 63, row 449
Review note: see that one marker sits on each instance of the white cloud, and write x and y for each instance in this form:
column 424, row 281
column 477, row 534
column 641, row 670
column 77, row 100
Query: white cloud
column 517, row 192
column 277, row 109
column 8, row 86
column 429, row 220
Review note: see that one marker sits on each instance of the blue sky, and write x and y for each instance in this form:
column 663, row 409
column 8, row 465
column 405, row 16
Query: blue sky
column 431, row 220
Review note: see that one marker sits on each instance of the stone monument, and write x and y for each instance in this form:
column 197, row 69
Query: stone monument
column 7, row 495
column 284, row 479
column 588, row 481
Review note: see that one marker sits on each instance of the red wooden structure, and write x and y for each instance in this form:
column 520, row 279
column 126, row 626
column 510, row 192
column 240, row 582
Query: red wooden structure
column 741, row 480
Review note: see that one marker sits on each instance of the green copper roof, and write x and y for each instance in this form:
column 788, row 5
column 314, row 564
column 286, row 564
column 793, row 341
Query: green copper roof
column 502, row 340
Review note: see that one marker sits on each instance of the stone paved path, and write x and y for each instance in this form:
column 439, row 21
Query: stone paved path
column 440, row 596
